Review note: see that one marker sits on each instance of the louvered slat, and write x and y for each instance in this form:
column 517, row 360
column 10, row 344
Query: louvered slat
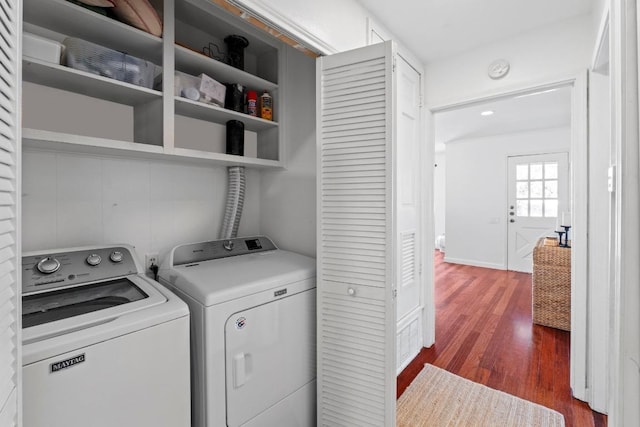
column 6, row 213
column 408, row 262
column 10, row 28
column 356, row 316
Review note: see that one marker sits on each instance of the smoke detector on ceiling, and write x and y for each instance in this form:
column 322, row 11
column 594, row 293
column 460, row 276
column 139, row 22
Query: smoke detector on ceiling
column 498, row 69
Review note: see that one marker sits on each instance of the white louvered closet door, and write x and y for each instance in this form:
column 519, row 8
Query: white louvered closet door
column 356, row 306
column 10, row 30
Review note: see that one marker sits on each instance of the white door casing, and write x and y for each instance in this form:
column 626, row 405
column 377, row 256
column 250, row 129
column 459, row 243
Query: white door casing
column 356, row 312
column 625, row 305
column 538, row 192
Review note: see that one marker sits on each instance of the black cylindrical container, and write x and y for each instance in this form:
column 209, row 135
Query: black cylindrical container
column 234, row 97
column 235, row 137
column 235, row 50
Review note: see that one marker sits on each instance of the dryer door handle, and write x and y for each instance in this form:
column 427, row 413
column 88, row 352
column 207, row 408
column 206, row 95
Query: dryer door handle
column 241, row 369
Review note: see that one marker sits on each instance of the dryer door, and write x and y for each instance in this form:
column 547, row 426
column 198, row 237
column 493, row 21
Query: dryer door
column 270, row 356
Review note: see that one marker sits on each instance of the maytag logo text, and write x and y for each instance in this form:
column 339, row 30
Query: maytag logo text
column 67, row 363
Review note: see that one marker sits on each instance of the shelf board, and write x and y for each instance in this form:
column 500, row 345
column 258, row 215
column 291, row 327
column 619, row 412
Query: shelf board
column 75, row 21
column 65, row 78
column 47, row 140
column 62, row 142
column 213, row 113
column 196, row 63
column 226, row 159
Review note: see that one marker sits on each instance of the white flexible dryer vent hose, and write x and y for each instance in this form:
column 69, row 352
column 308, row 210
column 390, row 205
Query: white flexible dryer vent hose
column 235, row 200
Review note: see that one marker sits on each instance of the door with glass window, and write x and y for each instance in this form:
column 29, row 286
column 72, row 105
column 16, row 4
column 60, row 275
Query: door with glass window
column 538, row 193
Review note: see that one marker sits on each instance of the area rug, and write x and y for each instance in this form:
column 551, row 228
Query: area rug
column 437, row 398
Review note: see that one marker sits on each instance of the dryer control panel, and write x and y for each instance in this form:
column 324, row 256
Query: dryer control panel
column 216, row 249
column 47, row 271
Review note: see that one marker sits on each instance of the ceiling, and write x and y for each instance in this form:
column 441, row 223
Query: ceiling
column 433, row 29
column 536, row 110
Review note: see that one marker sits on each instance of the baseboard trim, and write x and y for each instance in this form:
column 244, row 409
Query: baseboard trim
column 474, row 263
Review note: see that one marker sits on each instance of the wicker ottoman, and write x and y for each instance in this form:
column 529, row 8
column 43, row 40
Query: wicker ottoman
column 551, row 291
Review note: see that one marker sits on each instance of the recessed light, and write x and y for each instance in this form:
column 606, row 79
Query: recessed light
column 486, row 113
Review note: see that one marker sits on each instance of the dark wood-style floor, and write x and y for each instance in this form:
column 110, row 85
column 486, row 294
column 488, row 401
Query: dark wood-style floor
column 484, row 333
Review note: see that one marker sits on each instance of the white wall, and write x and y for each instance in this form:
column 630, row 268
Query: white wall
column 476, row 192
column 556, row 51
column 439, row 198
column 288, row 198
column 74, row 200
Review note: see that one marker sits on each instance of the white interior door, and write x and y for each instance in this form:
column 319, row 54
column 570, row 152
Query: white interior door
column 410, row 301
column 356, row 238
column 538, row 191
column 408, row 138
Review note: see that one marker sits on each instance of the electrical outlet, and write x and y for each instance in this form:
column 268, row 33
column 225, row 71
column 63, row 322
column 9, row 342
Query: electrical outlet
column 150, row 259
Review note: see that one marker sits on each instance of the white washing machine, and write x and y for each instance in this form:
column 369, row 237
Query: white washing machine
column 102, row 344
column 253, row 331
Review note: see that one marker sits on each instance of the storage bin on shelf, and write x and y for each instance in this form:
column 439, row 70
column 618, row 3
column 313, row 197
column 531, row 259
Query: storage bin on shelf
column 201, row 88
column 41, row 48
column 92, row 58
column 551, row 286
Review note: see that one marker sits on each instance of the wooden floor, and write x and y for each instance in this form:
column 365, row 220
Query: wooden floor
column 484, row 333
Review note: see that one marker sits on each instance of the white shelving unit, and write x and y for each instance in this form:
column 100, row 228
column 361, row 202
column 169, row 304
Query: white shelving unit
column 157, row 117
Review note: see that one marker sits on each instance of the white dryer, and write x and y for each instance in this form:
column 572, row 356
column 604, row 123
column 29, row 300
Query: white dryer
column 253, row 331
column 103, row 345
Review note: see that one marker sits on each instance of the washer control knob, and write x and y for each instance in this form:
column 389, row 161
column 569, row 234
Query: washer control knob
column 94, row 259
column 48, row 265
column 228, row 245
column 116, row 256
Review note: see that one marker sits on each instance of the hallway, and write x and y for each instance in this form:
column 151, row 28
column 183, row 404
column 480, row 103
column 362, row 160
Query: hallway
column 484, row 333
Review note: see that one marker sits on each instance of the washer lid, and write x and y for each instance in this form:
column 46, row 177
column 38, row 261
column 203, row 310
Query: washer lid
column 71, row 333
column 61, row 304
column 220, row 280
column 79, row 307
